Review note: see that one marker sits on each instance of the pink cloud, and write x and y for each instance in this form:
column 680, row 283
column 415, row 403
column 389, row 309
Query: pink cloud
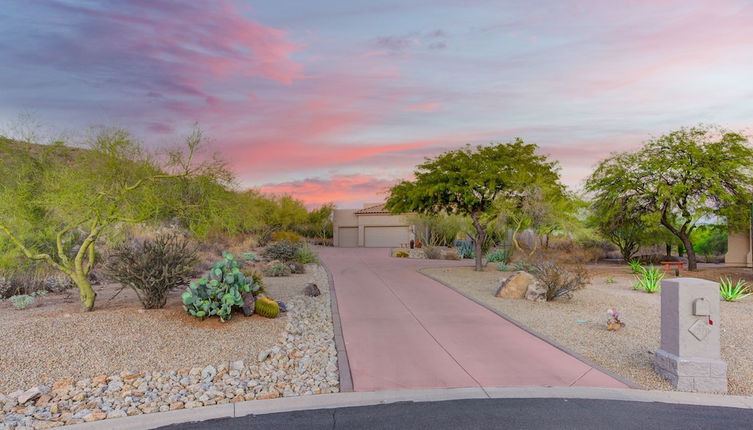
column 424, row 107
column 343, row 190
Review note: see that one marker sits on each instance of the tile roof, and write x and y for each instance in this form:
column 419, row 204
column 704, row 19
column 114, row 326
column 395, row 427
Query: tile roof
column 371, row 210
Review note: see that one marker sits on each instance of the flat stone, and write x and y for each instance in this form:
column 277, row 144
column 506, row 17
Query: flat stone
column 94, row 416
column 29, row 394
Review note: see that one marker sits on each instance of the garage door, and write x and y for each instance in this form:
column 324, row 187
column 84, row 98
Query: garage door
column 385, row 237
column 347, row 237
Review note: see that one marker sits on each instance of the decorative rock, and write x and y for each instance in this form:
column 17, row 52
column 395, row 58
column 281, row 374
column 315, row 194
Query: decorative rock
column 237, row 365
column 208, row 373
column 94, row 416
column 249, row 304
column 283, row 307
column 176, row 405
column 536, row 293
column 516, row 285
column 263, row 355
column 29, row 394
column 311, row 290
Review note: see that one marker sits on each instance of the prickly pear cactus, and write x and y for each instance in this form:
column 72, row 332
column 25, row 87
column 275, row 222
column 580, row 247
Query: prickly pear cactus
column 267, row 307
column 218, row 292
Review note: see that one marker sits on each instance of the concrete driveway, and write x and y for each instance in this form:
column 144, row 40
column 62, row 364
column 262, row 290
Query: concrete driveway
column 403, row 330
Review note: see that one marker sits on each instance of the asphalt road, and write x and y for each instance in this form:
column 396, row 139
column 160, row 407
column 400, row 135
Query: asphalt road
column 534, row 414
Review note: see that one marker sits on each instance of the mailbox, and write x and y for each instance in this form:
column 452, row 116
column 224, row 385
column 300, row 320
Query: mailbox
column 701, row 307
column 689, row 355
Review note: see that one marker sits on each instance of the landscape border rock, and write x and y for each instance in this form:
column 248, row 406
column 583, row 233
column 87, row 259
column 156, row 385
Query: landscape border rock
column 304, row 362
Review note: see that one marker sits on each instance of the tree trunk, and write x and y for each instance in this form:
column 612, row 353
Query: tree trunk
column 479, row 242
column 86, row 291
column 669, row 250
column 692, row 259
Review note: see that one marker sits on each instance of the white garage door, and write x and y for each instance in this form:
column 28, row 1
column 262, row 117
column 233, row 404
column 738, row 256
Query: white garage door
column 347, row 237
column 386, row 237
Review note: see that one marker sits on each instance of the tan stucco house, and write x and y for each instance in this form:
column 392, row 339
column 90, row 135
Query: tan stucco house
column 739, row 247
column 372, row 227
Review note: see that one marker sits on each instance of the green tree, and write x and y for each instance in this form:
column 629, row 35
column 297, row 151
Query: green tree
column 111, row 182
column 680, row 178
column 468, row 181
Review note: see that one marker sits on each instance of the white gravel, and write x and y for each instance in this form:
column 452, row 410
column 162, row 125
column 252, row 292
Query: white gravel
column 299, row 359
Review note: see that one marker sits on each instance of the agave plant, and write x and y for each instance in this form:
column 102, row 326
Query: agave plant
column 649, row 279
column 635, row 267
column 733, row 292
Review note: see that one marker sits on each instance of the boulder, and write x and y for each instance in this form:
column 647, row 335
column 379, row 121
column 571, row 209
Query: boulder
column 536, row 293
column 311, row 290
column 29, row 394
column 516, row 285
column 249, row 303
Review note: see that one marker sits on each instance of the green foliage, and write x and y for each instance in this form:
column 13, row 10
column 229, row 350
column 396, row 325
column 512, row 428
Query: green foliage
column 278, row 269
column 679, row 179
column 468, row 181
column 283, row 251
column 733, row 292
column 610, row 281
column 219, row 291
column 710, row 240
column 402, row 254
column 439, row 230
column 257, row 279
column 266, row 307
column 249, row 256
column 503, row 267
column 498, row 255
column 306, row 255
column 152, row 268
column 649, row 279
column 286, row 236
column 465, row 248
column 23, row 301
column 522, row 266
column 635, row 266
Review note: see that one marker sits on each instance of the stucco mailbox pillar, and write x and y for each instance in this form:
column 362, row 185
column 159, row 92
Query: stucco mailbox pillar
column 689, row 355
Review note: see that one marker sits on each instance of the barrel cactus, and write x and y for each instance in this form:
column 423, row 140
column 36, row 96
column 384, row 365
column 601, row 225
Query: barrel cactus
column 267, row 307
column 218, row 292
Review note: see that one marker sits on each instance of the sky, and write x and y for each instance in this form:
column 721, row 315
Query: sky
column 335, row 101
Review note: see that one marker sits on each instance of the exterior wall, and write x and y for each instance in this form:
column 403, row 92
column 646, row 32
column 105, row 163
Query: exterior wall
column 348, row 218
column 739, row 250
column 377, row 221
column 342, row 218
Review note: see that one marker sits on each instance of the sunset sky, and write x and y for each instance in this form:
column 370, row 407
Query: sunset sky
column 333, row 101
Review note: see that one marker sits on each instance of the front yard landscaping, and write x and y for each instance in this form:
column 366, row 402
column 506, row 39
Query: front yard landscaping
column 61, row 366
column 580, row 323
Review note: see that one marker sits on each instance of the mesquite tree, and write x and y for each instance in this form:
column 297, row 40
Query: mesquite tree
column 680, row 178
column 468, row 181
column 80, row 195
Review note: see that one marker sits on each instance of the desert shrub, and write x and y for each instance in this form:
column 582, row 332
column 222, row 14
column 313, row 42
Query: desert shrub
column 152, row 268
column 282, row 251
column 710, row 240
column 277, row 269
column 219, row 291
column 503, row 267
column 522, row 266
column 286, row 236
column 296, row 267
column 433, row 252
column 23, row 301
column 249, row 256
column 402, row 254
column 733, row 292
column 306, row 255
column 560, row 280
column 28, row 279
column 465, row 248
column 649, row 279
column 498, row 255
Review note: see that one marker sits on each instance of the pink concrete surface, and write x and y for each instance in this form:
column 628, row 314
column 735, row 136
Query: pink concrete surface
column 403, row 330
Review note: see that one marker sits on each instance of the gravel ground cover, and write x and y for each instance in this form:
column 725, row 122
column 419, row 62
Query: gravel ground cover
column 580, row 323
column 120, row 360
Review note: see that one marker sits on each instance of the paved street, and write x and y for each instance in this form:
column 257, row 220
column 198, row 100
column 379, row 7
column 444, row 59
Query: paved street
column 534, row 414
